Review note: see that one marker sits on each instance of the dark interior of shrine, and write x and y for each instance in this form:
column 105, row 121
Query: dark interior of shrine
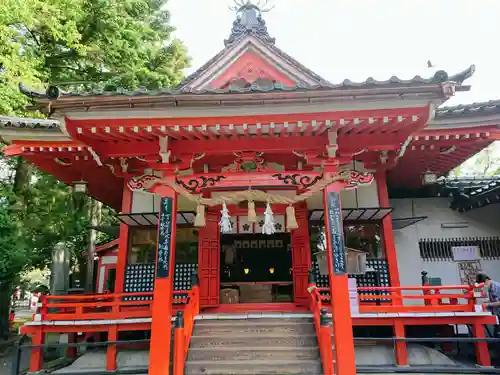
column 256, row 268
column 256, row 258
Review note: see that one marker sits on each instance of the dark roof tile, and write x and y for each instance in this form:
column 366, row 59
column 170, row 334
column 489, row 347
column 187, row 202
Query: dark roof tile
column 54, row 93
column 465, row 110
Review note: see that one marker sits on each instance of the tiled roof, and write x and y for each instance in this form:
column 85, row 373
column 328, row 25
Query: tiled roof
column 54, row 93
column 30, row 123
column 471, row 192
column 474, row 109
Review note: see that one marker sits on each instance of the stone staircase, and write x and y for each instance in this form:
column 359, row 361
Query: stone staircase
column 286, row 346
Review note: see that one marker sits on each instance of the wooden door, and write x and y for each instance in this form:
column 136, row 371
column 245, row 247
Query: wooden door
column 209, row 261
column 301, row 256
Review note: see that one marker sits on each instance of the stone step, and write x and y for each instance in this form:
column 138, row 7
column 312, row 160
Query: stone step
column 247, row 340
column 254, row 367
column 251, row 328
column 251, row 321
column 253, row 353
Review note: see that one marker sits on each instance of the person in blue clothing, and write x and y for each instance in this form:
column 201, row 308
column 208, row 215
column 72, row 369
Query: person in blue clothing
column 493, row 289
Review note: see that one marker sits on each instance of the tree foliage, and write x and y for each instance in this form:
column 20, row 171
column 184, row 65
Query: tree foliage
column 86, row 44
column 77, row 44
column 484, row 163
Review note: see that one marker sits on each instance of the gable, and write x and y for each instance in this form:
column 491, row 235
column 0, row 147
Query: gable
column 250, row 55
column 251, row 59
column 251, row 66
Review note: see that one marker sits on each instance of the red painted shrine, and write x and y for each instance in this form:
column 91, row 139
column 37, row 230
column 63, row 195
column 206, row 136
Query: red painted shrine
column 267, row 182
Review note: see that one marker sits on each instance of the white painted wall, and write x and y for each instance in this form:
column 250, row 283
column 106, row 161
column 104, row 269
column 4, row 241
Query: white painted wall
column 482, row 222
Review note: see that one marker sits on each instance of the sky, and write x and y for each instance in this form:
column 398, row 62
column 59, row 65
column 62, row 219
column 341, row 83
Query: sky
column 356, row 39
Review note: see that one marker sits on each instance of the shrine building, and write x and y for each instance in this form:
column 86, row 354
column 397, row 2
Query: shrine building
column 258, row 195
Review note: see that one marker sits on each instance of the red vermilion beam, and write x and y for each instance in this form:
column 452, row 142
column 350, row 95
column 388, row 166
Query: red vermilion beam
column 493, row 129
column 250, row 119
column 223, row 146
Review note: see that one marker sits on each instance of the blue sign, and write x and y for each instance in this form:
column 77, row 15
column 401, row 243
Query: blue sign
column 334, row 212
column 164, row 238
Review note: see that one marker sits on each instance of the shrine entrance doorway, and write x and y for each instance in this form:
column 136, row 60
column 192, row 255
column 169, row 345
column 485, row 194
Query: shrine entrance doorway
column 256, row 268
column 295, row 244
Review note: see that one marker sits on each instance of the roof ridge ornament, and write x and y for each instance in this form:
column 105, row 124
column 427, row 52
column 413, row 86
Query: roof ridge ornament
column 249, row 21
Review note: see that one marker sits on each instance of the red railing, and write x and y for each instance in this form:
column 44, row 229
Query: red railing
column 452, row 298
column 323, row 331
column 103, row 306
column 184, row 329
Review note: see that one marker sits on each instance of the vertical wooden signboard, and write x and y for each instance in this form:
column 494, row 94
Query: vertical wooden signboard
column 336, row 233
column 164, row 239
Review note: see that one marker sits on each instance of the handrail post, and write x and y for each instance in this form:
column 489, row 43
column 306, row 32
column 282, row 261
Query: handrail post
column 195, row 288
column 36, row 359
column 311, row 284
column 44, row 310
column 179, row 350
column 325, row 342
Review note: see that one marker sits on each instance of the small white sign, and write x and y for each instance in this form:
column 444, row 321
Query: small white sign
column 353, row 295
column 465, row 253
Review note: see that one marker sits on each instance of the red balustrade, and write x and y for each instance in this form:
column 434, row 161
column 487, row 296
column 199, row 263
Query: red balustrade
column 449, row 298
column 184, row 330
column 103, row 306
column 323, row 331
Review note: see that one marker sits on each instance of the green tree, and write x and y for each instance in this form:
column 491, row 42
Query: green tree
column 78, row 44
column 105, row 44
column 484, row 163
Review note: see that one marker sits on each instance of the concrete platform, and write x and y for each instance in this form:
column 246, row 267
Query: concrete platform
column 376, row 355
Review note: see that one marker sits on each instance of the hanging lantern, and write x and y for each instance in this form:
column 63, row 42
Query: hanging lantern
column 268, row 227
column 252, row 215
column 429, row 178
column 291, row 221
column 80, row 186
column 199, row 220
column 225, row 221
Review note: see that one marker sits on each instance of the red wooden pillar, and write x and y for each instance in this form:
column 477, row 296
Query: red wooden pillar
column 301, row 256
column 400, row 346
column 482, row 353
column 161, row 326
column 36, row 358
column 121, row 261
column 71, row 352
column 111, row 349
column 388, row 234
column 339, row 288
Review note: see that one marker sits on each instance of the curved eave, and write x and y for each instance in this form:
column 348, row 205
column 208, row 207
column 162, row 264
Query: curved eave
column 277, row 91
column 423, row 93
column 466, row 111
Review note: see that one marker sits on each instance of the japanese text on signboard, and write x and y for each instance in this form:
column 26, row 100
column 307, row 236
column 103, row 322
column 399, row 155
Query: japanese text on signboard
column 164, row 238
column 336, row 233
